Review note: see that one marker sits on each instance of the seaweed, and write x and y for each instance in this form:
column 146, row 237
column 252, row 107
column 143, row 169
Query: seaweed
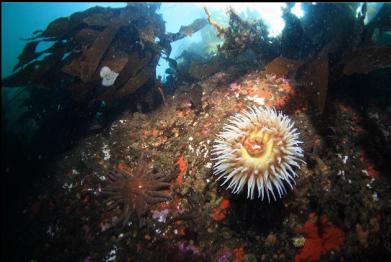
column 88, row 40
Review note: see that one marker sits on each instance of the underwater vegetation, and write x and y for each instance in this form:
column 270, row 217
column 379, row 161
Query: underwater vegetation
column 320, row 239
column 101, row 55
column 178, row 168
column 242, row 35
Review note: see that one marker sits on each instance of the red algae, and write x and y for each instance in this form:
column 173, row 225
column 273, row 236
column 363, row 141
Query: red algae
column 287, row 88
column 260, row 93
column 372, row 171
column 281, row 101
column 345, row 108
column 121, row 166
column 220, row 212
column 182, row 165
column 152, row 133
column 181, row 228
column 319, row 242
column 239, row 254
column 179, row 180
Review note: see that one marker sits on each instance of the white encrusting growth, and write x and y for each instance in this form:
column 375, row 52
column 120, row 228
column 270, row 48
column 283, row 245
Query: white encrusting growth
column 108, row 76
column 268, row 174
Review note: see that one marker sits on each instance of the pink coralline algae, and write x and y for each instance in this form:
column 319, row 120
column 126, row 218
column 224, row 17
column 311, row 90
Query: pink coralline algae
column 188, row 249
column 234, row 86
column 224, row 255
column 161, row 216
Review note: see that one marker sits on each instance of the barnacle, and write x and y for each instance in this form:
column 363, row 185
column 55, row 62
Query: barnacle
column 134, row 192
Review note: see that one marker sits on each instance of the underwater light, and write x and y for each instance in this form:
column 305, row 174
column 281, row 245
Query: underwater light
column 297, row 11
column 271, row 13
column 372, row 10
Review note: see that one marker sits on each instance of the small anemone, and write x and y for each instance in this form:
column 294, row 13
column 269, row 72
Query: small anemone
column 135, row 192
column 108, row 76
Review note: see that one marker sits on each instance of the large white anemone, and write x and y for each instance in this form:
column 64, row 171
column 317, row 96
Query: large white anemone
column 258, row 147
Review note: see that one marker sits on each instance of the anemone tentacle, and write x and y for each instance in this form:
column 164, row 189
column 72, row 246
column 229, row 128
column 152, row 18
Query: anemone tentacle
column 259, row 148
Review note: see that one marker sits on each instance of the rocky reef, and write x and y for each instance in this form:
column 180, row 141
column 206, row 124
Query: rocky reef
column 99, row 200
